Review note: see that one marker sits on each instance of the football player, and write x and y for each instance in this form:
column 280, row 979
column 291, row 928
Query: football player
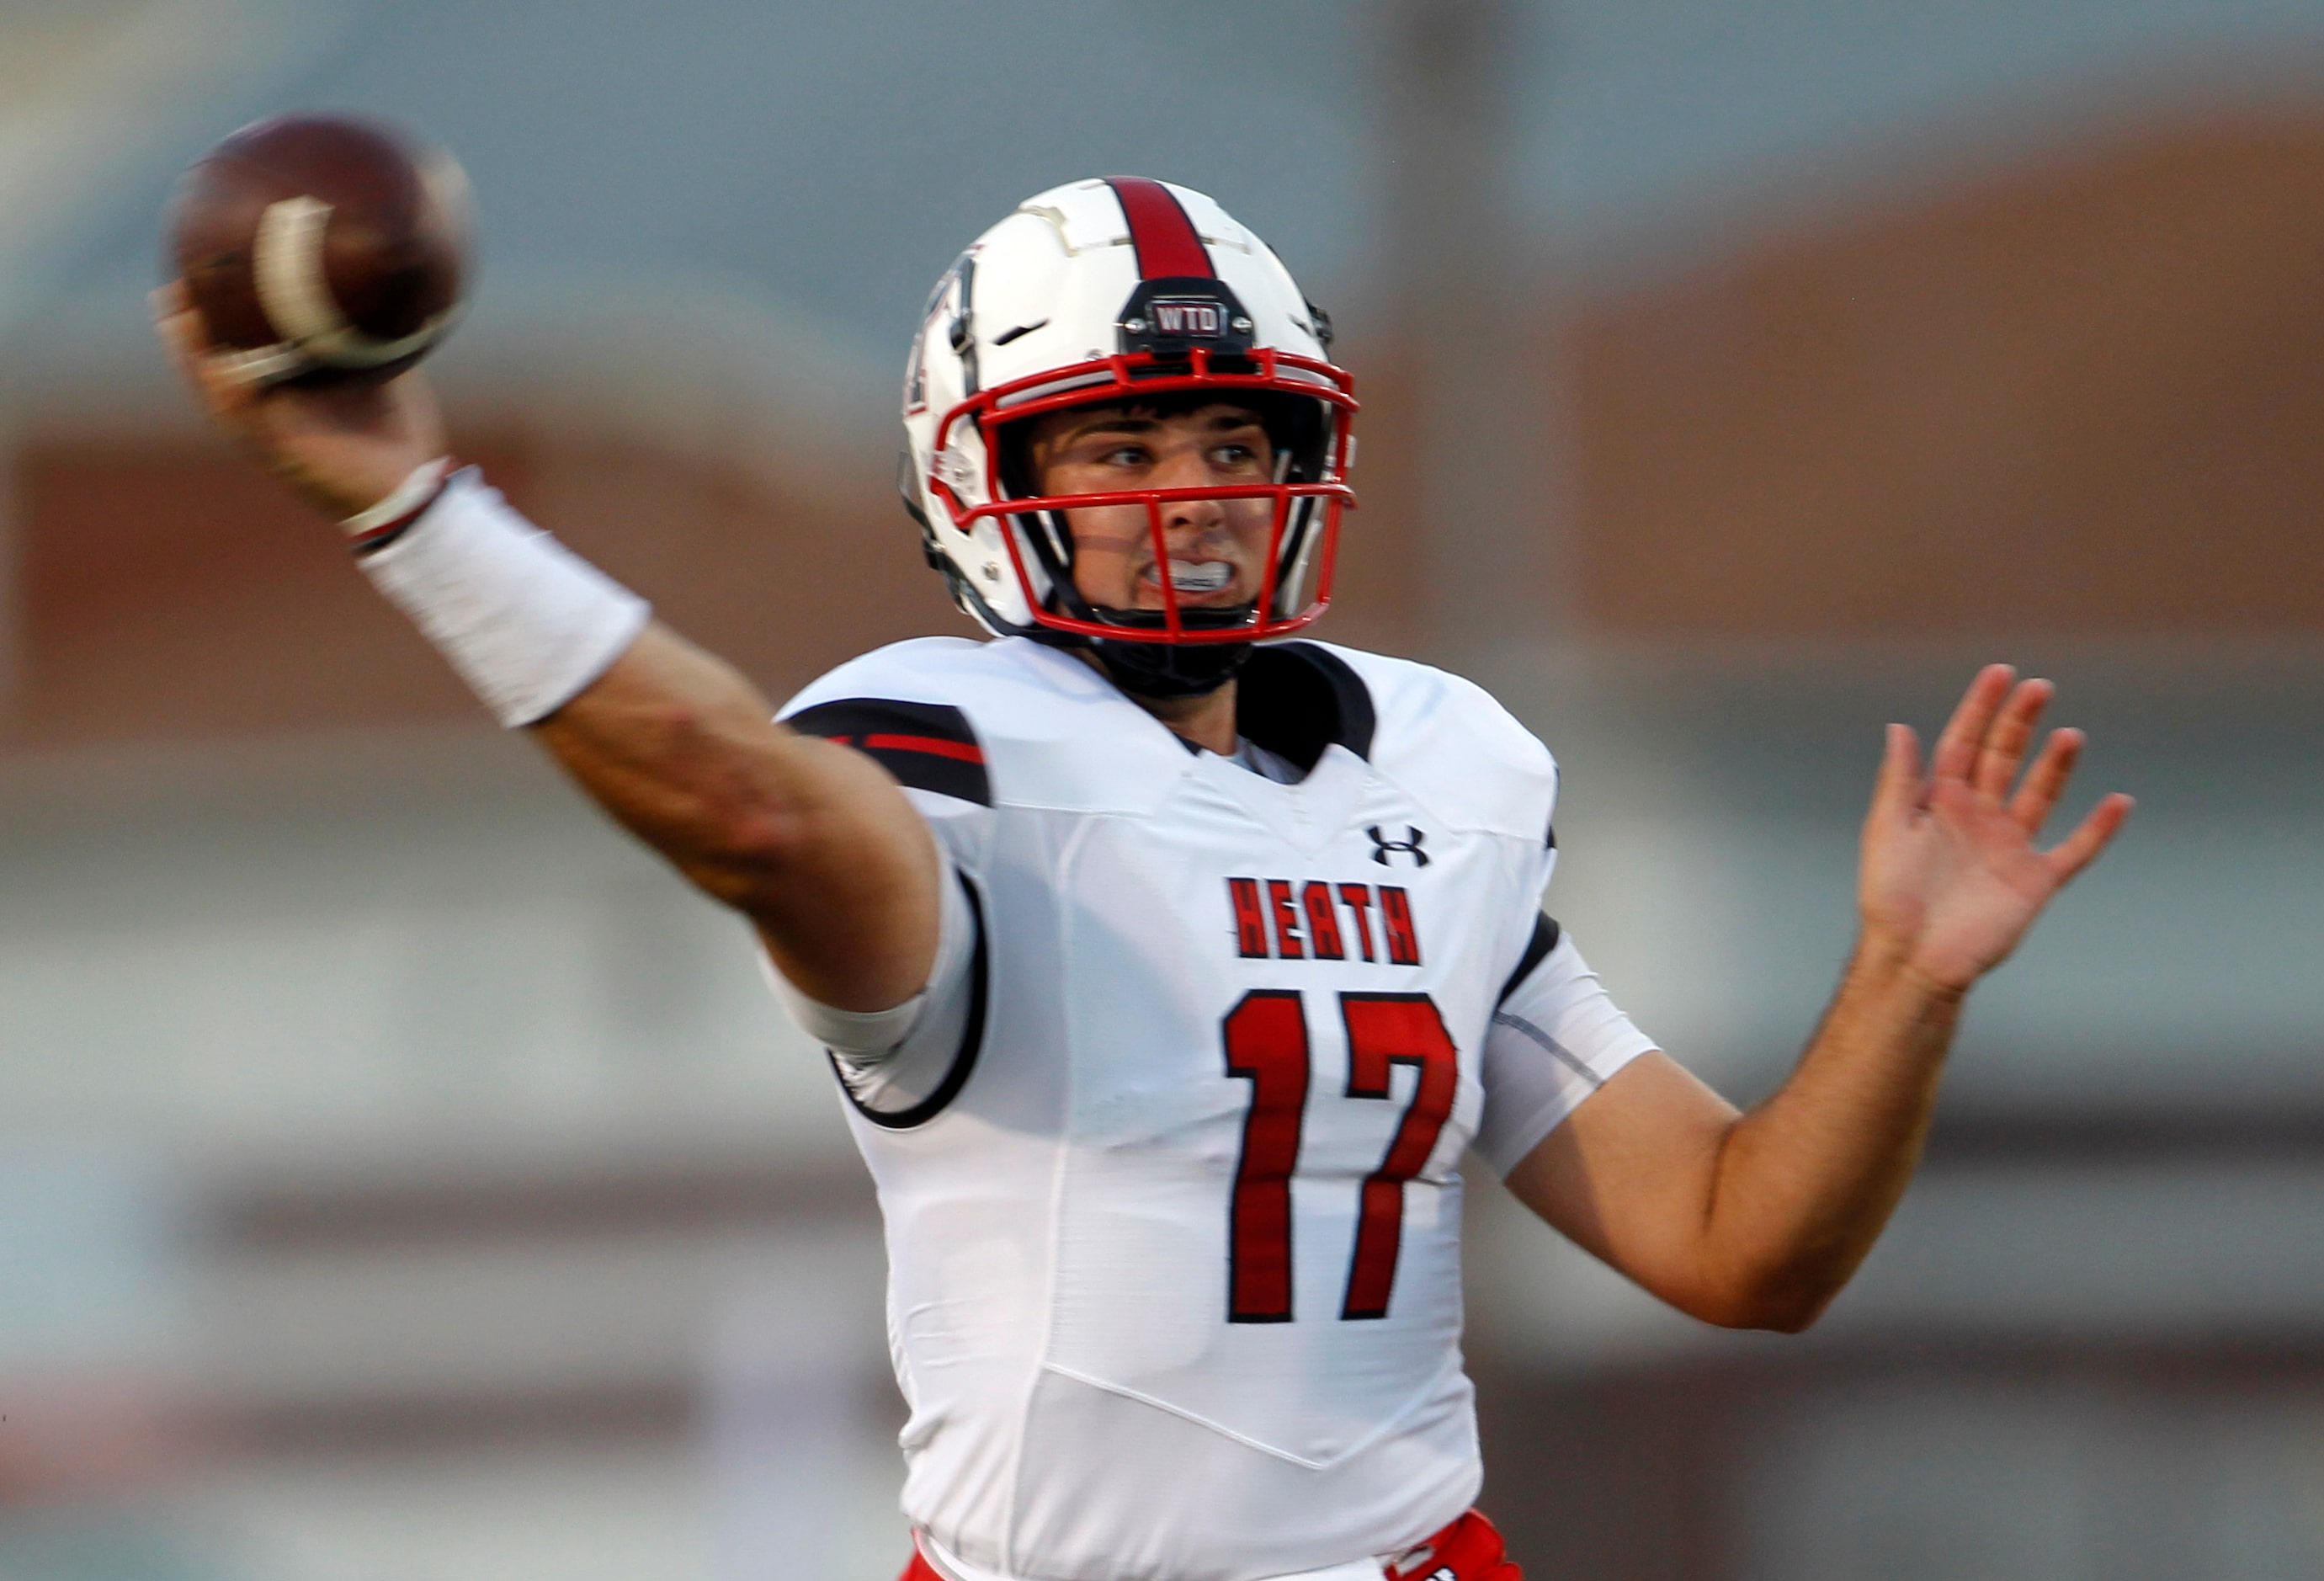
column 1170, row 962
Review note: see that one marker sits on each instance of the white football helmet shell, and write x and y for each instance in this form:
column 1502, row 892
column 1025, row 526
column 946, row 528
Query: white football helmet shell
column 1106, row 291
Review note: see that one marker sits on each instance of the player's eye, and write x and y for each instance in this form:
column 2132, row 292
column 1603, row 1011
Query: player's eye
column 1125, row 456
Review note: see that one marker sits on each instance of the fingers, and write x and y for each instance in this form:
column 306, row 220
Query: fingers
column 182, row 333
column 1984, row 743
column 180, row 328
column 2082, row 848
column 2004, row 751
column 1896, row 792
column 187, row 340
column 1956, row 754
column 2045, row 781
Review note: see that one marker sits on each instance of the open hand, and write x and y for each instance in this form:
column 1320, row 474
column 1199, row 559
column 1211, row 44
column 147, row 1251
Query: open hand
column 1952, row 879
column 344, row 447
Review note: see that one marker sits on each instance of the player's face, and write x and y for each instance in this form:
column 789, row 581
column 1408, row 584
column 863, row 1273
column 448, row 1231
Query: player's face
column 1218, row 548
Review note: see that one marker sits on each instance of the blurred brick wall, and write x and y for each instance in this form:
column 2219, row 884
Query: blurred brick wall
column 174, row 590
column 2084, row 398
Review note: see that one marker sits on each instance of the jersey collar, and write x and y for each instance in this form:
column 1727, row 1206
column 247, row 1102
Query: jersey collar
column 1297, row 698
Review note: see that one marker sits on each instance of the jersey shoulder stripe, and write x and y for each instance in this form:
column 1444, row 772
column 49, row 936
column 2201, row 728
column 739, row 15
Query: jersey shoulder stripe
column 1545, row 935
column 1052, row 733
column 928, row 746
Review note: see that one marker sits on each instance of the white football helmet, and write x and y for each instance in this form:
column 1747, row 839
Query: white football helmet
column 1104, row 291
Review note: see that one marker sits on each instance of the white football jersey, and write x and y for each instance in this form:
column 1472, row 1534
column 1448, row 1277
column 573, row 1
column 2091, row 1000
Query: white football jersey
column 1173, row 1235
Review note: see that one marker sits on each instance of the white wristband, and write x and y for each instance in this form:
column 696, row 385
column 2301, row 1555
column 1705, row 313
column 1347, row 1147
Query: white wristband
column 410, row 496
column 527, row 622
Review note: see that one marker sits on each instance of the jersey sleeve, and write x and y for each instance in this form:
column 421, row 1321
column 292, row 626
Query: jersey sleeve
column 1555, row 1039
column 895, row 1063
column 901, row 1066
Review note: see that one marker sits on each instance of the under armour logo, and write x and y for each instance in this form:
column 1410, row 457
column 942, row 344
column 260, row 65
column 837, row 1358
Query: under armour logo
column 1409, row 844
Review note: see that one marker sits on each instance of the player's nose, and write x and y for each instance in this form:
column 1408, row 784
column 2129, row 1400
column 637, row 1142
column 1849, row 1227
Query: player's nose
column 1192, row 515
column 1189, row 468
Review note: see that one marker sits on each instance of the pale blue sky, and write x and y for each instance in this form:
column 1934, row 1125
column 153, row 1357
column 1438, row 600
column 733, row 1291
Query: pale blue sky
column 835, row 157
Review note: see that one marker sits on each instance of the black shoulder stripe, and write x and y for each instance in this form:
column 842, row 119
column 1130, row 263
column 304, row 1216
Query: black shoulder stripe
column 972, row 1040
column 1357, row 718
column 1297, row 698
column 1545, row 935
column 928, row 747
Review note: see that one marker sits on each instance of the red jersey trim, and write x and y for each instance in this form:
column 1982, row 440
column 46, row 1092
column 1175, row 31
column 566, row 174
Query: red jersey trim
column 967, row 751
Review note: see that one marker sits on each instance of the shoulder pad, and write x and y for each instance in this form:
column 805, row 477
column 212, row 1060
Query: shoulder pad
column 1007, row 723
column 1456, row 750
column 881, row 704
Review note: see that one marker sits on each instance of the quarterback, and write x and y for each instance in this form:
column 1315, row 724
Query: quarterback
column 1171, row 962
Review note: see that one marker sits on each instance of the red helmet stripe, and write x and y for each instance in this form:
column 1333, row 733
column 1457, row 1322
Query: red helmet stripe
column 1167, row 246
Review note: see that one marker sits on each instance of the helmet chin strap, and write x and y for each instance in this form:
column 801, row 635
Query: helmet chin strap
column 1164, row 671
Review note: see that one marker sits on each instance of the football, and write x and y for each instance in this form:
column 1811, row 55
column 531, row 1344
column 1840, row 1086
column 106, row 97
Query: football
column 322, row 249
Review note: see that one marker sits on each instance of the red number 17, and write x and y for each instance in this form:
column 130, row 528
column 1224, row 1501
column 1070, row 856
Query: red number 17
column 1266, row 1037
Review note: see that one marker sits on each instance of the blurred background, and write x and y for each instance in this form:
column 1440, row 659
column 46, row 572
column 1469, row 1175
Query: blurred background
column 402, row 1176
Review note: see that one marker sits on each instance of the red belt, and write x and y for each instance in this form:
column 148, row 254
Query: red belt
column 1470, row 1550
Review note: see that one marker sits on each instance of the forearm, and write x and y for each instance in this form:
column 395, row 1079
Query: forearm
column 812, row 841
column 1757, row 1220
column 1804, row 1184
column 677, row 747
